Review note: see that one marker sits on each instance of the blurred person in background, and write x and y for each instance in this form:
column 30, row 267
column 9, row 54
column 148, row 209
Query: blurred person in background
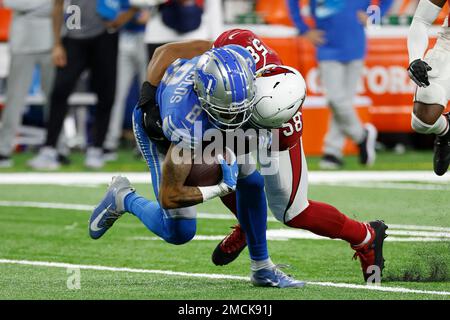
column 132, row 61
column 30, row 44
column 92, row 45
column 177, row 20
column 430, row 70
column 340, row 40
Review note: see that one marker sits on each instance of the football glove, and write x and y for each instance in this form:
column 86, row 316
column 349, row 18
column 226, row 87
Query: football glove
column 229, row 170
column 418, row 72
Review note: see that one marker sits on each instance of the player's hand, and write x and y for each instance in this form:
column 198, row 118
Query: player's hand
column 317, row 37
column 418, row 72
column 229, row 170
column 59, row 56
column 362, row 17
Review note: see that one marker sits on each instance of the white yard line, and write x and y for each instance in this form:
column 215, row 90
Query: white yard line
column 284, row 238
column 388, row 185
column 214, row 276
column 58, row 178
column 439, row 231
column 47, row 205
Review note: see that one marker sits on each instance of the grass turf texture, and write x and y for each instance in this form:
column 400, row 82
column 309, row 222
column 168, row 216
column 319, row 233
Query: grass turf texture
column 61, row 236
column 128, row 161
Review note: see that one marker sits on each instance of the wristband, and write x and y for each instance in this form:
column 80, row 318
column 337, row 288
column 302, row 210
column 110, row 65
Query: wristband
column 211, row 192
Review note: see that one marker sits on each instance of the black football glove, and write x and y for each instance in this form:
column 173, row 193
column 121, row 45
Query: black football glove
column 418, row 72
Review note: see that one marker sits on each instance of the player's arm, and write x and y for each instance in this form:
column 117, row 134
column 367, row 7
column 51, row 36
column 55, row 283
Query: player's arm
column 173, row 191
column 165, row 55
column 426, row 13
column 123, row 18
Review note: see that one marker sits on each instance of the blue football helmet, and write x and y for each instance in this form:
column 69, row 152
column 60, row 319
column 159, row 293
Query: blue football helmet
column 224, row 80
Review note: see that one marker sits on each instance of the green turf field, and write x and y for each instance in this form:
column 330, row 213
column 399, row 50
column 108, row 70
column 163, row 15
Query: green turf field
column 33, row 236
column 129, row 161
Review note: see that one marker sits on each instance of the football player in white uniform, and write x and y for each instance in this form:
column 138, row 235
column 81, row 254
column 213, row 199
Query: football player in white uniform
column 432, row 76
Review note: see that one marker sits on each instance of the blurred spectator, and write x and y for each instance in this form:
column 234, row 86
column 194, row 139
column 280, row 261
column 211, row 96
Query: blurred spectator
column 92, row 45
column 30, row 43
column 132, row 61
column 176, row 20
column 341, row 47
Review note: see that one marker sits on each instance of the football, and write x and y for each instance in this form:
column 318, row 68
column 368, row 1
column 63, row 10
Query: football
column 206, row 173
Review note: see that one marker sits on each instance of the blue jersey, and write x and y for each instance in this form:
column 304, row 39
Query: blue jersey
column 184, row 121
column 345, row 38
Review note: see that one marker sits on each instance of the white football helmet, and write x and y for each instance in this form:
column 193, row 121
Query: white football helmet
column 280, row 92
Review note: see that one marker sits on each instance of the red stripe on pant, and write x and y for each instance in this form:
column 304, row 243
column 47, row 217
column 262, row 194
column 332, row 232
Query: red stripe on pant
column 327, row 221
column 295, row 155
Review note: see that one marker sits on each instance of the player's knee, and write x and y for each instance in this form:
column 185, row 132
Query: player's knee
column 419, row 126
column 338, row 103
column 181, row 231
column 433, row 94
column 254, row 181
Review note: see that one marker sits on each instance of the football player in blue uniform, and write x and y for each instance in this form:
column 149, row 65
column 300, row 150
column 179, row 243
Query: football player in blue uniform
column 213, row 91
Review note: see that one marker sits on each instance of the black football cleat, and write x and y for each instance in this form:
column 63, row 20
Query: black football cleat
column 230, row 247
column 367, row 152
column 441, row 159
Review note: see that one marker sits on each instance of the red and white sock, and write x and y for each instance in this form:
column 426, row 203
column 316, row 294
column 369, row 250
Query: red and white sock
column 325, row 220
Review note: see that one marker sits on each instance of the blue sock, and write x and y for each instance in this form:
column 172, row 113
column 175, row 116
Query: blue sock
column 252, row 214
column 174, row 231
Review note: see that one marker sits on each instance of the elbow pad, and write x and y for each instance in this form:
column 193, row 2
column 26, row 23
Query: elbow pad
column 151, row 118
column 147, row 98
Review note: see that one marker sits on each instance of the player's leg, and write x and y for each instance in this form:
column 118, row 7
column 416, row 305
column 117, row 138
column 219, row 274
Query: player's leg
column 340, row 82
column 103, row 78
column 367, row 153
column 21, row 73
column 428, row 119
column 252, row 215
column 325, row 220
column 430, row 102
column 125, row 74
column 65, row 80
column 176, row 226
column 332, row 74
column 332, row 156
column 48, row 71
column 232, row 245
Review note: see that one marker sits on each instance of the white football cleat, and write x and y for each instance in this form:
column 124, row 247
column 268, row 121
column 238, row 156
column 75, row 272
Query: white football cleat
column 94, row 158
column 367, row 151
column 47, row 159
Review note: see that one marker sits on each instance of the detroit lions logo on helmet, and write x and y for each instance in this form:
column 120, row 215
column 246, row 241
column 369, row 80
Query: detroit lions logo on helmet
column 209, row 81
